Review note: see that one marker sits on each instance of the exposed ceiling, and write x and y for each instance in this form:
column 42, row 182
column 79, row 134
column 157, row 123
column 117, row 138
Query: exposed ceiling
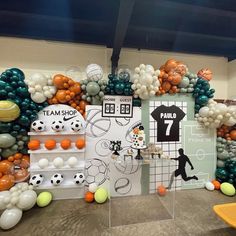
column 198, row 26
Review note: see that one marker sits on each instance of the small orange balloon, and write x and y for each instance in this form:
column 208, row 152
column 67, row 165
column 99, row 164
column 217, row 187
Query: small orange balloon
column 34, row 144
column 50, row 144
column 83, row 104
column 66, row 143
column 89, row 197
column 216, row 184
column 80, row 143
column 233, row 134
column 58, row 81
column 161, row 190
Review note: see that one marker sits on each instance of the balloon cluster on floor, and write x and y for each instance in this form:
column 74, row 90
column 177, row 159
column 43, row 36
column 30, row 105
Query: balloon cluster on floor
column 19, row 198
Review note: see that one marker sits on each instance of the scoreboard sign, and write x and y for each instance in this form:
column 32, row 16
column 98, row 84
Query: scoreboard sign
column 117, row 106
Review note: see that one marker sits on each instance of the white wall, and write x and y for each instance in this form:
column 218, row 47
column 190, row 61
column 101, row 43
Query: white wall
column 56, row 57
column 232, row 80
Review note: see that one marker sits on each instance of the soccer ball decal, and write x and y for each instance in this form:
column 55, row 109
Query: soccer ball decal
column 57, row 179
column 79, row 178
column 96, row 171
column 38, row 126
column 76, row 125
column 36, row 180
column 57, row 125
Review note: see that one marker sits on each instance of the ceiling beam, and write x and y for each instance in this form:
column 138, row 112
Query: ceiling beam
column 125, row 12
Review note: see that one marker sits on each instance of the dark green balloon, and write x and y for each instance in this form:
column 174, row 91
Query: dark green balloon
column 5, row 127
column 221, row 173
column 17, row 71
column 3, row 94
column 22, row 92
column 119, row 88
column 24, row 121
column 2, row 84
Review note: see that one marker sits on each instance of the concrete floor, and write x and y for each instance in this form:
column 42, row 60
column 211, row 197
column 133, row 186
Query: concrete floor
column 193, row 216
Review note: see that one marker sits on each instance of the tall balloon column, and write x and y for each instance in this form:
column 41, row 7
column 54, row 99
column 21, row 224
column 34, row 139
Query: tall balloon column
column 94, row 85
column 226, row 154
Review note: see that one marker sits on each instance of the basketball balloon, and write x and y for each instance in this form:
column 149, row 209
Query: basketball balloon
column 205, row 74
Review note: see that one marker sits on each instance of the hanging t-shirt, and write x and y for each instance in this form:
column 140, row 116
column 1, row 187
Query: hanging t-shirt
column 168, row 119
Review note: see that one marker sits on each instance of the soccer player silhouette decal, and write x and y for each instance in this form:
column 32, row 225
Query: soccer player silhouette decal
column 183, row 159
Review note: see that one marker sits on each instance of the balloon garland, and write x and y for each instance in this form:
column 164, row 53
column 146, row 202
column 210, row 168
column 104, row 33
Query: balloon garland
column 68, row 92
column 202, row 93
column 21, row 109
column 214, row 115
column 94, row 86
column 171, row 75
column 145, row 82
column 187, row 83
column 40, row 87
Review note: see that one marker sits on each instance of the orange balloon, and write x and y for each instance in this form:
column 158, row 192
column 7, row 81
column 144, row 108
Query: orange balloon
column 161, row 190
column 6, row 167
column 21, row 175
column 34, row 144
column 233, row 134
column 61, row 96
column 75, row 88
column 50, row 144
column 83, row 104
column 66, row 143
column 176, row 79
column 170, row 65
column 166, row 86
column 25, row 162
column 6, row 182
column 216, row 184
column 80, row 143
column 89, row 197
column 58, row 81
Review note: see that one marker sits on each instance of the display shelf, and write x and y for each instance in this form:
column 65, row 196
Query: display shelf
column 55, row 133
column 65, row 184
column 35, row 168
column 58, row 149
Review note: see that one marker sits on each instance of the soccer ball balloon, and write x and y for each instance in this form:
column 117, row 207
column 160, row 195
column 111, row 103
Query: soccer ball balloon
column 36, row 180
column 76, row 125
column 57, row 125
column 57, row 179
column 38, row 126
column 79, row 178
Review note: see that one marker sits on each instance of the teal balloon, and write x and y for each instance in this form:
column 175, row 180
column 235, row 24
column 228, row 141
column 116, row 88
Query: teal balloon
column 6, row 140
column 22, row 92
column 3, row 94
column 92, row 88
column 5, row 127
column 2, row 84
column 17, row 71
column 202, row 100
column 184, row 82
column 24, row 121
column 221, row 173
column 119, row 88
column 233, row 171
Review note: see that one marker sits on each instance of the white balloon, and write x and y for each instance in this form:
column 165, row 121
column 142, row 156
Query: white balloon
column 221, row 107
column 39, row 78
column 93, row 187
column 142, row 67
column 47, row 93
column 137, row 70
column 58, row 162
column 14, row 200
column 38, row 88
column 10, row 218
column 38, row 97
column 230, row 122
column 43, row 163
column 72, row 162
column 27, row 200
column 204, row 111
column 3, row 195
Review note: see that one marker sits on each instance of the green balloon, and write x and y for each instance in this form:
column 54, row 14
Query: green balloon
column 92, row 88
column 221, row 173
column 5, row 127
column 6, row 140
column 8, row 152
column 119, row 88
column 184, row 82
column 24, row 121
